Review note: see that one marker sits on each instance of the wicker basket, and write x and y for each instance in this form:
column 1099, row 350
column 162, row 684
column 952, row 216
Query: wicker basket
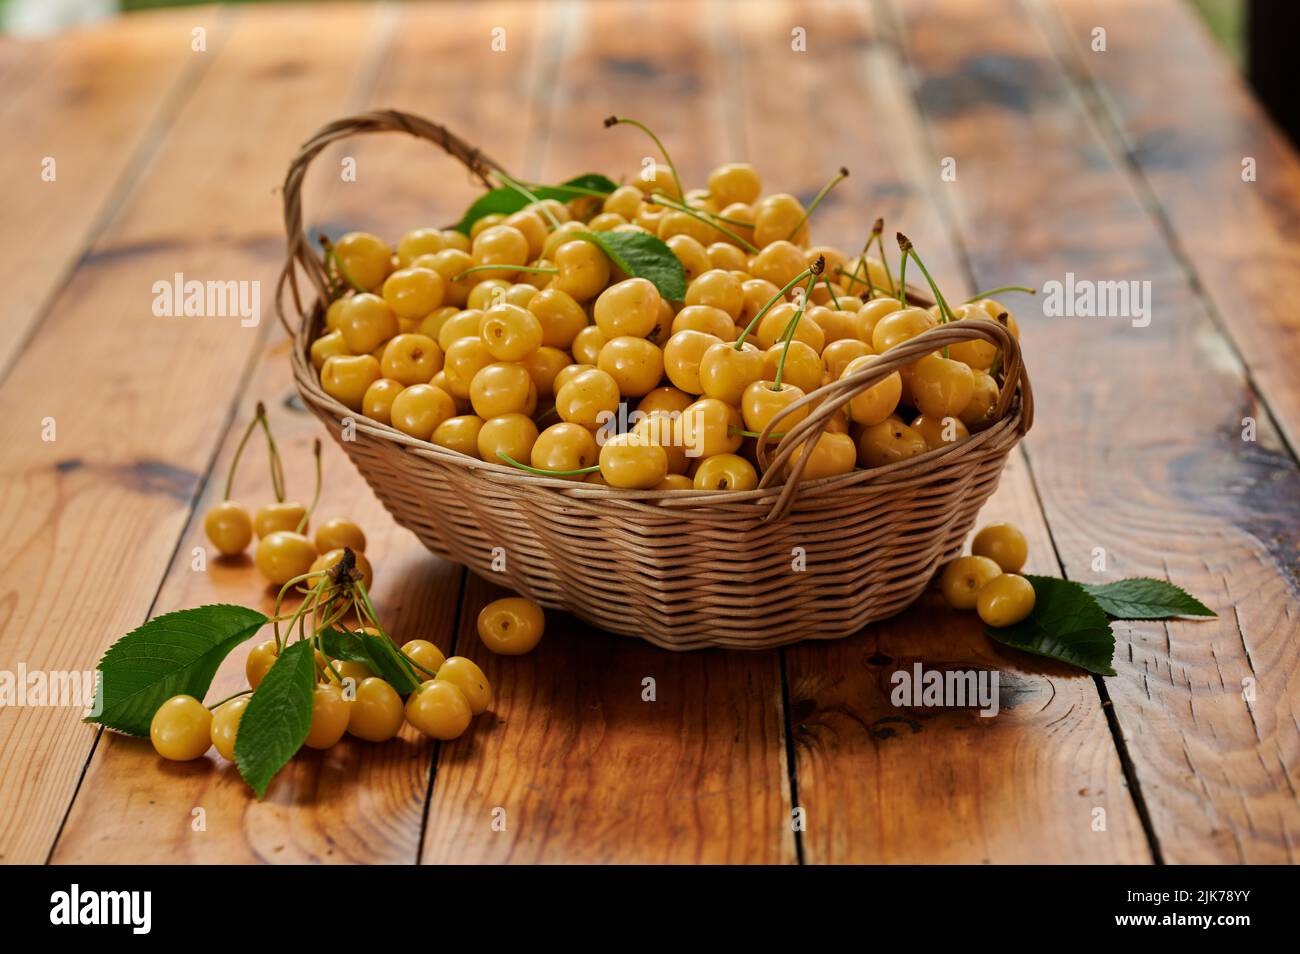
column 683, row 569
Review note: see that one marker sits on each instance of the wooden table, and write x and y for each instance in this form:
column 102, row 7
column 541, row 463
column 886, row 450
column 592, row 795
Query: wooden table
column 1123, row 164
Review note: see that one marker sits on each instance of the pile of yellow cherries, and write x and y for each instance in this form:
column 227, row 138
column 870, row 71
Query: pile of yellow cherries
column 524, row 344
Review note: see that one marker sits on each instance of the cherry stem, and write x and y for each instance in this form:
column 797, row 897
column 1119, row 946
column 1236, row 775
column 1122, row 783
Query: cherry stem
column 360, row 589
column 576, row 190
column 664, row 199
column 315, row 498
column 908, row 251
column 512, row 184
column 817, row 268
column 623, row 120
column 279, row 600
column 218, row 705
column 547, row 473
column 902, row 274
column 741, row 431
column 884, row 262
column 817, row 200
column 988, row 293
column 332, row 258
column 277, row 466
column 503, row 268
column 831, row 291
column 768, row 307
column 259, row 414
column 876, row 228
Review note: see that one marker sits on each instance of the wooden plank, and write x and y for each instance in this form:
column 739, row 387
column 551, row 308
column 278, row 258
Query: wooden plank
column 140, row 402
column 584, row 769
column 1187, row 128
column 879, row 783
column 1138, row 448
column 93, row 101
column 358, row 802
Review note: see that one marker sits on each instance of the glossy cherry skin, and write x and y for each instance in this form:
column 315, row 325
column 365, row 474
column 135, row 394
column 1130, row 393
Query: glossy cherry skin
column 565, row 446
column 888, row 442
column 338, row 532
column 181, row 729
column 635, row 364
column 1004, row 544
column 376, row 713
column 963, row 579
column 469, row 678
column 439, row 709
column 629, row 462
column 228, row 527
column 511, row 626
column 346, row 378
column 329, row 717
column 1005, row 600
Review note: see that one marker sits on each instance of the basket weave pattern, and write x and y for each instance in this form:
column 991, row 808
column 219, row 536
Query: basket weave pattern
column 682, row 569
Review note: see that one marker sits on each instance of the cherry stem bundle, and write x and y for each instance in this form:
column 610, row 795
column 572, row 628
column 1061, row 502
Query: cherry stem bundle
column 753, row 323
column 817, row 268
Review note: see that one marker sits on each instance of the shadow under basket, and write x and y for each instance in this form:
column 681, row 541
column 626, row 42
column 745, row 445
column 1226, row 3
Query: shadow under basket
column 756, row 569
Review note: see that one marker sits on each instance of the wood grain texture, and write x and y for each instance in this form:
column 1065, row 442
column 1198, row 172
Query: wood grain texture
column 880, row 783
column 140, row 402
column 1187, row 127
column 93, row 101
column 583, row 767
column 1139, row 450
column 357, row 802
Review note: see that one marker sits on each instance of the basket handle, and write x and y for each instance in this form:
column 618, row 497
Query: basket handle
column 827, row 400
column 298, row 245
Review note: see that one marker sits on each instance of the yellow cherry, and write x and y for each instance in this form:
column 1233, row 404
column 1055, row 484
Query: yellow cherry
column 710, row 427
column 682, row 356
column 877, row 402
column 459, row 433
column 631, row 463
column 509, row 434
column 888, row 442
column 630, row 307
column 725, row 472
column 832, row 455
column 588, row 398
column 963, row 579
column 636, row 365
column 565, row 447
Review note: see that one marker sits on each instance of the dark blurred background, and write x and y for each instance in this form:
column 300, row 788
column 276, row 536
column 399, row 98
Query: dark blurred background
column 1260, row 36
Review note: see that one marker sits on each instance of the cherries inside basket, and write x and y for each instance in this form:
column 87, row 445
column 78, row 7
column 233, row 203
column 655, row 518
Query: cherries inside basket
column 651, row 336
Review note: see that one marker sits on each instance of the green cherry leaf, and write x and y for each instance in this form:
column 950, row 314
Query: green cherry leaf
column 642, row 255
column 504, row 200
column 1067, row 624
column 278, row 717
column 378, row 652
column 1145, row 598
column 173, row 654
